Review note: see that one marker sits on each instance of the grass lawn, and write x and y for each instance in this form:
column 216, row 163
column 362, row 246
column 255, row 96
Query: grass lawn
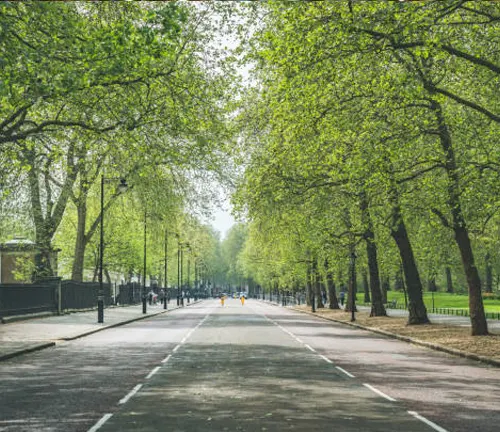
column 442, row 300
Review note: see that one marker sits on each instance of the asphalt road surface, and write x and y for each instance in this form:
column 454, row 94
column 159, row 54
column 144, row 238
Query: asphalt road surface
column 255, row 367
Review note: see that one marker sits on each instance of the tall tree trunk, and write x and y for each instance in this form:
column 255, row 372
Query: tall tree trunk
column 330, row 283
column 476, row 307
column 352, row 287
column 385, row 288
column 80, row 243
column 377, row 308
column 309, row 294
column 417, row 313
column 489, row 274
column 317, row 285
column 449, row 281
column 366, row 286
column 46, row 224
column 43, row 234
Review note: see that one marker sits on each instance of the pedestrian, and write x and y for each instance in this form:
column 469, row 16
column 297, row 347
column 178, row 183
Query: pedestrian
column 323, row 294
column 342, row 297
column 242, row 298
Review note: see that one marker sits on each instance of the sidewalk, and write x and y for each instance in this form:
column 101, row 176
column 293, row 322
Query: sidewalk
column 21, row 337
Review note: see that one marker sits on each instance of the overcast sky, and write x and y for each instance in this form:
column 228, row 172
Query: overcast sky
column 222, row 221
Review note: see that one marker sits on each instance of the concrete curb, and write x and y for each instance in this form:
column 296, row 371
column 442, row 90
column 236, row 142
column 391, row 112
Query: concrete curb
column 32, row 348
column 117, row 324
column 436, row 347
column 87, row 333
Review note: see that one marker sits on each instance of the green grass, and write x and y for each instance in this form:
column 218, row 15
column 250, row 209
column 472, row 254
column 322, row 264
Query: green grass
column 442, row 300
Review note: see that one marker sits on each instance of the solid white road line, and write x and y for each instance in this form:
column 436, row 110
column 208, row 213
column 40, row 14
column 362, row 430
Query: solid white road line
column 427, row 422
column 156, row 369
column 373, row 389
column 326, row 359
column 344, row 371
column 176, row 348
column 183, row 340
column 299, row 340
column 167, row 358
column 103, row 420
column 132, row 393
column 310, row 348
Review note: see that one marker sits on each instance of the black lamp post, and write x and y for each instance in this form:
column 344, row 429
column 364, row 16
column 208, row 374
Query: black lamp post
column 189, row 273
column 182, row 274
column 122, row 187
column 353, row 285
column 195, row 278
column 144, row 296
column 178, row 271
column 165, row 294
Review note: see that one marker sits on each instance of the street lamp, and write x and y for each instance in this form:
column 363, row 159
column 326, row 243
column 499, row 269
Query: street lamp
column 178, row 270
column 353, row 285
column 144, row 296
column 189, row 273
column 122, row 187
column 165, row 300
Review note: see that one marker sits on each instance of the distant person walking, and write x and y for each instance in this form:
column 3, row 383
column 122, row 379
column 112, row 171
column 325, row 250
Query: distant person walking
column 222, row 298
column 242, row 298
column 342, row 297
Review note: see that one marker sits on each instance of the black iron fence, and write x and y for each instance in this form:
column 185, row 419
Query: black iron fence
column 21, row 299
column 51, row 295
column 130, row 293
column 82, row 295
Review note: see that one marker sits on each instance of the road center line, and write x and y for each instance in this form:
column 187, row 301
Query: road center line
column 427, row 422
column 176, row 348
column 326, row 359
column 310, row 348
column 103, row 420
column 299, row 340
column 131, row 393
column 156, row 369
column 344, row 371
column 183, row 340
column 379, row 392
column 167, row 358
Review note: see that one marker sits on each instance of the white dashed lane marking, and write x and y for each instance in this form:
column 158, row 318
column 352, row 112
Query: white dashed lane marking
column 427, row 422
column 350, row 375
column 131, row 393
column 326, row 359
column 373, row 389
column 156, row 369
column 98, row 425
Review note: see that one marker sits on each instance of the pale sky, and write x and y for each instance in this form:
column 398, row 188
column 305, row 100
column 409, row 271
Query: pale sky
column 222, row 221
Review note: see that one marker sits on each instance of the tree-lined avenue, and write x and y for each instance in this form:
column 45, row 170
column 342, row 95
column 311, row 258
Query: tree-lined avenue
column 250, row 368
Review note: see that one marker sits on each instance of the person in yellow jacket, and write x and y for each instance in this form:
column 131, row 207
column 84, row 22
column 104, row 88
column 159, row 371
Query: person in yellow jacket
column 242, row 298
column 222, row 298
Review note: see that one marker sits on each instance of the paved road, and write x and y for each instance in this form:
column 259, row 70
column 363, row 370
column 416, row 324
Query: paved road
column 244, row 368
